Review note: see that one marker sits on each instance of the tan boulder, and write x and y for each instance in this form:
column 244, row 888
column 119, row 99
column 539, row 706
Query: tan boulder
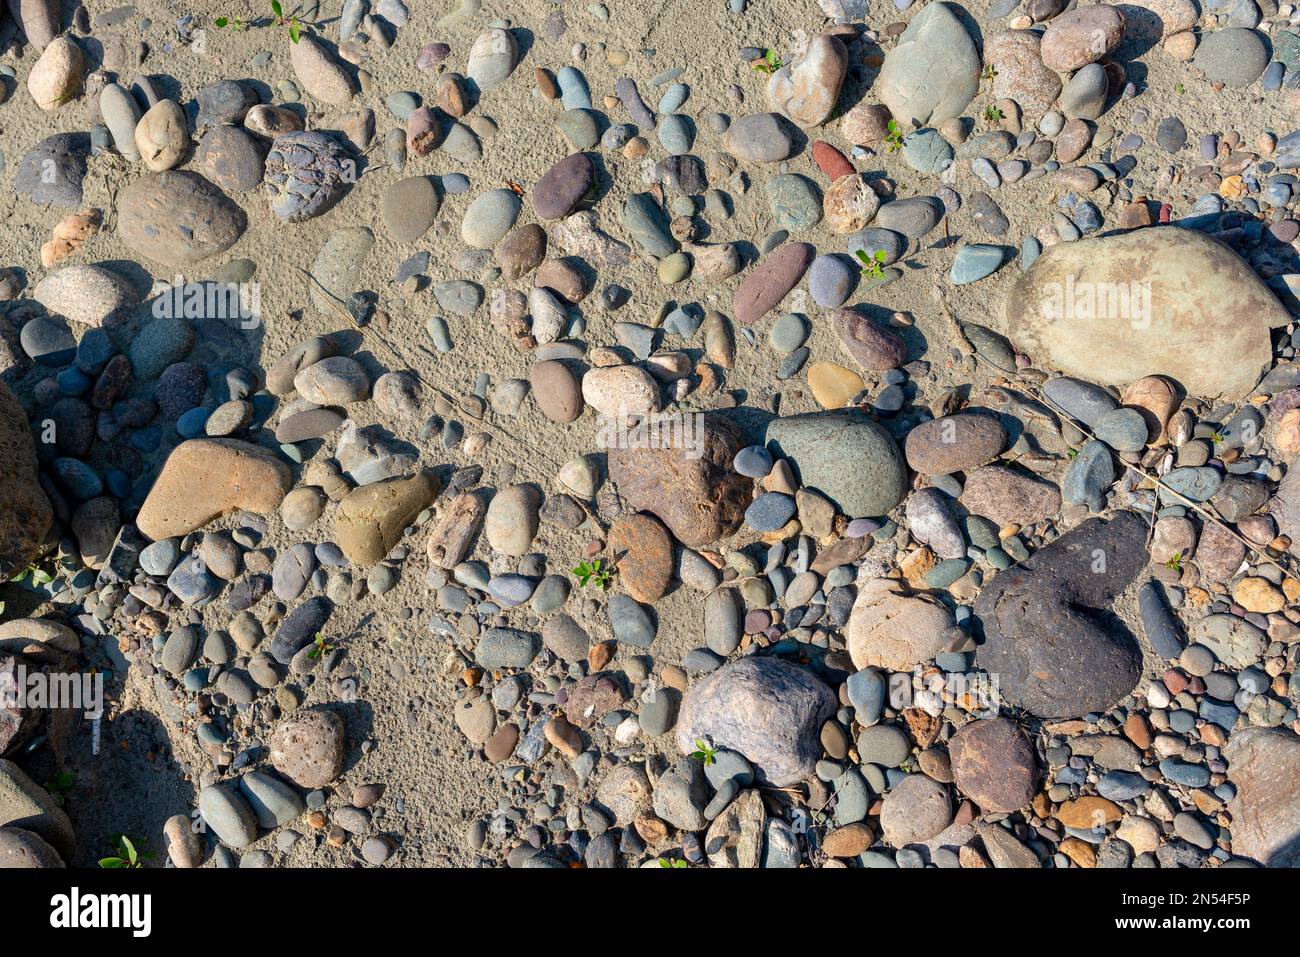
column 204, row 479
column 369, row 521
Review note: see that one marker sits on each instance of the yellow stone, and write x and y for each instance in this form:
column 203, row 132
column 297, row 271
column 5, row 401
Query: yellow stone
column 1088, row 812
column 1232, row 187
column 1258, row 595
column 915, row 565
column 833, row 386
column 1080, row 852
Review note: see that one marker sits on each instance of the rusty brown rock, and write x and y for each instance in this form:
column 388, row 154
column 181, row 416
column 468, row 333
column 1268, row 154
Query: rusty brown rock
column 643, row 556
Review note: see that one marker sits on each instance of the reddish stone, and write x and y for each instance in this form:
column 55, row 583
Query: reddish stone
column 831, row 161
column 771, row 280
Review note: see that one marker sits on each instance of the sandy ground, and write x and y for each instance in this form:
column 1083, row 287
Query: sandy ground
column 145, row 769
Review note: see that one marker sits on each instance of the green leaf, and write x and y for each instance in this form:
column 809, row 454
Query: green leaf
column 276, row 8
column 295, row 31
column 221, row 21
column 110, row 863
column 880, row 256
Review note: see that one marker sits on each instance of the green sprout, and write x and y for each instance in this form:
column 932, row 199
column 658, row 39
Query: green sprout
column 673, row 863
column 59, row 785
column 989, row 72
column 871, row 265
column 1176, row 563
column 320, row 647
column 38, row 575
column 235, row 23
column 277, row 19
column 1179, row 89
column 592, row 572
column 704, row 752
column 1071, row 453
column 1216, row 437
column 894, row 137
column 770, row 62
column 126, row 855
column 993, row 115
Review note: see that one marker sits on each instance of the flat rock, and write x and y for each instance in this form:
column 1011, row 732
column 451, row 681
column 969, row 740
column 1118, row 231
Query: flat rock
column 204, row 479
column 765, row 708
column 1049, row 633
column 844, row 455
column 177, row 218
column 1076, row 309
column 933, row 71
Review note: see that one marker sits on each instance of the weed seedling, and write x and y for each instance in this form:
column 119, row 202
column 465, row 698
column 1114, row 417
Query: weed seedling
column 770, row 62
column 59, row 785
column 592, row 573
column 319, row 647
column 38, row 575
column 673, row 863
column 1176, row 563
column 126, row 855
column 988, row 73
column 872, row 265
column 893, row 137
column 993, row 115
column 277, row 19
column 703, row 752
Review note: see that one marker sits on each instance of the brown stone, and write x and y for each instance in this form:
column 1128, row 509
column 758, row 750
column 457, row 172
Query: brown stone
column 204, row 479
column 643, row 556
column 993, row 764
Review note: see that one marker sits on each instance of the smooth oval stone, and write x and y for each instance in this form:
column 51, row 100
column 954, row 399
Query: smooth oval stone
column 563, row 186
column 831, row 280
column 975, row 261
column 489, row 217
column 913, row 217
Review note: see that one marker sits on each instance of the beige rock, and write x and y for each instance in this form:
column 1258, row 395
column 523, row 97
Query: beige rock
column 1067, row 310
column 849, row 204
column 453, row 537
column 891, row 629
column 323, row 77
column 204, row 479
column 833, row 385
column 369, row 522
column 162, row 137
column 1156, row 399
column 56, row 77
column 620, row 391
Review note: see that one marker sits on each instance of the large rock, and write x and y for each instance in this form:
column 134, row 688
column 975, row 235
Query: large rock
column 307, row 748
column 27, row 805
column 178, row 218
column 20, row 848
column 1264, row 765
column 993, row 764
column 1021, row 75
column 845, row 456
column 368, row 523
column 689, row 485
column 25, row 513
column 806, row 89
column 1167, row 301
column 767, row 709
column 204, row 479
column 933, row 71
column 1050, row 638
column 889, row 628
column 39, row 20
column 91, row 295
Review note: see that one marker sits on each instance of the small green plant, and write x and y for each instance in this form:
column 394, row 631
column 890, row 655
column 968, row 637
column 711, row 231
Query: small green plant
column 1179, row 89
column 988, row 73
column 704, row 752
column 1216, row 437
column 770, row 62
column 993, row 115
column 592, row 573
column 872, row 265
column 125, row 856
column 320, row 647
column 38, row 575
column 673, row 863
column 1071, row 453
column 893, row 137
column 277, row 19
column 59, row 786
column 1176, row 563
